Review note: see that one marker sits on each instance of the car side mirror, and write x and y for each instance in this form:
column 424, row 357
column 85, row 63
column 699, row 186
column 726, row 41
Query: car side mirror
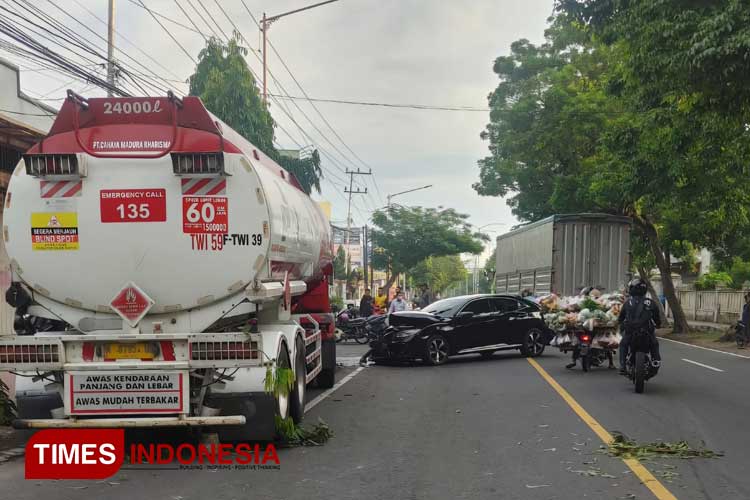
column 464, row 316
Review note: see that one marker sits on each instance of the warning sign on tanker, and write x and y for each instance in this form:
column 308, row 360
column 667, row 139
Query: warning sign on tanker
column 205, row 214
column 122, row 393
column 54, row 231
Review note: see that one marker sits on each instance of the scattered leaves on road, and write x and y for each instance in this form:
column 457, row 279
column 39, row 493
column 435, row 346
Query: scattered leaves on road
column 623, row 447
column 593, row 472
column 296, row 435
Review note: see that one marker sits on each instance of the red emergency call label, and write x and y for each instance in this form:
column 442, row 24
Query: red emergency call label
column 133, row 205
column 204, row 214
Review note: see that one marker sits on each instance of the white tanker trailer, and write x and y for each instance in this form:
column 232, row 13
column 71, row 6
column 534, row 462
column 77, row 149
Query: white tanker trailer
column 162, row 267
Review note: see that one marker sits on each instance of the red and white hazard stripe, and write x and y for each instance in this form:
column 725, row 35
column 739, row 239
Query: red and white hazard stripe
column 197, row 186
column 61, row 189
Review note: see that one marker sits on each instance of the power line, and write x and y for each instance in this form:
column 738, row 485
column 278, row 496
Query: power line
column 132, row 44
column 189, row 19
column 202, row 19
column 138, row 3
column 168, row 32
column 328, row 124
column 212, row 18
column 389, row 105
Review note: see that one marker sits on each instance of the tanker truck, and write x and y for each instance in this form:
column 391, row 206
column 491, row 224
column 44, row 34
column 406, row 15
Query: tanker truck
column 165, row 272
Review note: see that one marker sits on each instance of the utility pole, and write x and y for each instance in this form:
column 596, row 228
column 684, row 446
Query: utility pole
column 265, row 23
column 350, row 192
column 111, row 47
column 365, row 255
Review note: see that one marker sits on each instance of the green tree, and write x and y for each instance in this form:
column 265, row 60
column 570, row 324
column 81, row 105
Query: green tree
column 227, row 87
column 439, row 272
column 339, row 264
column 405, row 236
column 573, row 129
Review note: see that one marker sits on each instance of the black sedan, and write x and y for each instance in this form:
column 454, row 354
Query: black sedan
column 471, row 324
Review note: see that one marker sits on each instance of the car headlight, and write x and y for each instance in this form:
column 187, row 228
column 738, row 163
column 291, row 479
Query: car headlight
column 405, row 335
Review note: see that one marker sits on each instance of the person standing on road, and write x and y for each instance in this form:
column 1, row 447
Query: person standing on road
column 746, row 318
column 381, row 299
column 639, row 313
column 425, row 298
column 398, row 304
column 365, row 304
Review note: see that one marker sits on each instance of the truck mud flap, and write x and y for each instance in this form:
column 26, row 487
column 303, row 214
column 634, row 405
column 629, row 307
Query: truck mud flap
column 259, row 410
column 33, row 406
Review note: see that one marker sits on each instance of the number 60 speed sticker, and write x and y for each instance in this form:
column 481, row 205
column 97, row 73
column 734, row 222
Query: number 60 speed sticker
column 204, row 214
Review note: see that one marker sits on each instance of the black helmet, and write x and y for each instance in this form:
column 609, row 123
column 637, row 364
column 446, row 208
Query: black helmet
column 637, row 287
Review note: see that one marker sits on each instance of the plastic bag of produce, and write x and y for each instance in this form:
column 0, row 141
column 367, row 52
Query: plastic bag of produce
column 615, row 341
column 589, row 324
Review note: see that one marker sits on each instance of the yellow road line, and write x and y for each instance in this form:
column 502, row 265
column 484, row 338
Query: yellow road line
column 639, row 470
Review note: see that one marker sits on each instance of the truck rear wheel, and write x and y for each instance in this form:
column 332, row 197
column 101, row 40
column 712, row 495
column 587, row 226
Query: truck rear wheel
column 297, row 396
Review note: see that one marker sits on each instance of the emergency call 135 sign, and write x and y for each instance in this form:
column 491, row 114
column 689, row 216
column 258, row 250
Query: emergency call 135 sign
column 133, row 205
column 205, row 214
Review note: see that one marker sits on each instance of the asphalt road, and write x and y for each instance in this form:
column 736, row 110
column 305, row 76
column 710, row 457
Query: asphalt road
column 479, row 429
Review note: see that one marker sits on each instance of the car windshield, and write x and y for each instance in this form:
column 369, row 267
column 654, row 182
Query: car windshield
column 445, row 308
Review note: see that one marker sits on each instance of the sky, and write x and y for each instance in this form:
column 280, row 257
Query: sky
column 433, row 52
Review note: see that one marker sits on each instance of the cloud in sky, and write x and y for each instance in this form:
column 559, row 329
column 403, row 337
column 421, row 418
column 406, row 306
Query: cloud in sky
column 402, row 51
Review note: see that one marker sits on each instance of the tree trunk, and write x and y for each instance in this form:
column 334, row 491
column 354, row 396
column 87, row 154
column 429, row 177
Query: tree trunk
column 680, row 320
column 645, row 277
column 389, row 282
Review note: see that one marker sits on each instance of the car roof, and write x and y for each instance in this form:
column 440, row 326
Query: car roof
column 486, row 296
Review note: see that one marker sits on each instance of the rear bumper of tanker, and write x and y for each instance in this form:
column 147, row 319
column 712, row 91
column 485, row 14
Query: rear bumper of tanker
column 80, row 360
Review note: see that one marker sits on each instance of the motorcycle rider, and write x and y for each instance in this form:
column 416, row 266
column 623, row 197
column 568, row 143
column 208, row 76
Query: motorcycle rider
column 639, row 312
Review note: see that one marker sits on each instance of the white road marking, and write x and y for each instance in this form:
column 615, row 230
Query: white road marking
column 701, row 364
column 312, row 404
column 706, row 348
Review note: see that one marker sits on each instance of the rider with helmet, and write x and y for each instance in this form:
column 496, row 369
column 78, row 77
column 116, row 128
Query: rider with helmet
column 639, row 313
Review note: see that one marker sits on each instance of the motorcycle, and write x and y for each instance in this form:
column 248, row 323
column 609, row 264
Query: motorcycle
column 591, row 356
column 639, row 365
column 375, row 326
column 350, row 328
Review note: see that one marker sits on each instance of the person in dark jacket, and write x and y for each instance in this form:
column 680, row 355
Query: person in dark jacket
column 365, row 304
column 745, row 319
column 639, row 312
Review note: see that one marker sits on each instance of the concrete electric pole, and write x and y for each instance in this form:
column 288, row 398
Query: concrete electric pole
column 350, row 192
column 111, row 47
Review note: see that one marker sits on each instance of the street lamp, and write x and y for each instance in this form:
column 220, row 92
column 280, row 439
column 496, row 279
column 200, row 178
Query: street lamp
column 388, row 205
column 265, row 23
column 391, row 196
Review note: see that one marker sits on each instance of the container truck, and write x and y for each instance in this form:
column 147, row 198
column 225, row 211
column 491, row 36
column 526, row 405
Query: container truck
column 564, row 253
column 163, row 269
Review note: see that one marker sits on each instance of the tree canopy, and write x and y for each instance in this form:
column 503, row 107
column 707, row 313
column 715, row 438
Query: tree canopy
column 575, row 126
column 405, row 236
column 438, row 273
column 227, row 87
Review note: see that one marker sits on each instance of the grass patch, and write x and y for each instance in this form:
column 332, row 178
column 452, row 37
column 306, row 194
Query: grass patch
column 622, row 447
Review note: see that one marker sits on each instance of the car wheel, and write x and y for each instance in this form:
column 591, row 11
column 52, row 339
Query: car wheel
column 533, row 343
column 436, row 350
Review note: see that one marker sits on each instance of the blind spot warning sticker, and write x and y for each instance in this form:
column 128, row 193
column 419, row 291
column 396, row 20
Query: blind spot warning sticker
column 54, row 231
